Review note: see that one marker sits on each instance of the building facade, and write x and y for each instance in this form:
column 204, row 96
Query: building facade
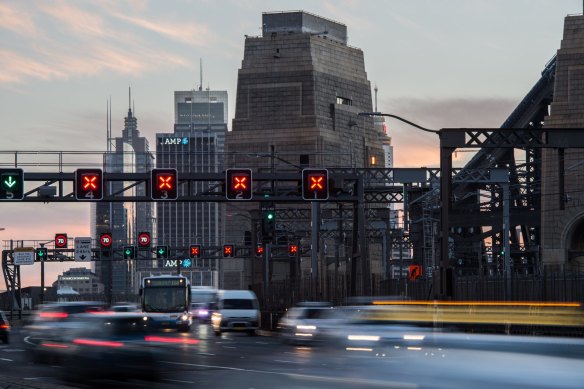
column 79, row 279
column 299, row 94
column 195, row 146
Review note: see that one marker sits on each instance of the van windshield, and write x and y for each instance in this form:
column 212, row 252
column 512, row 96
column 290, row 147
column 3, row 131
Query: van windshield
column 238, row 304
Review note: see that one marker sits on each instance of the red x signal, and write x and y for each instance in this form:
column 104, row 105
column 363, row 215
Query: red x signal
column 89, row 182
column 240, row 182
column 164, row 182
column 317, row 182
column 195, row 251
column 228, row 250
column 292, row 249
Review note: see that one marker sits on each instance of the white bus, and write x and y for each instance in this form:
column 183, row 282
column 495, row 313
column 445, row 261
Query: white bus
column 168, row 299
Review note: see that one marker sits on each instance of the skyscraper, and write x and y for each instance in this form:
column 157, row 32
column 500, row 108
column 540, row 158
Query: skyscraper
column 126, row 220
column 195, row 146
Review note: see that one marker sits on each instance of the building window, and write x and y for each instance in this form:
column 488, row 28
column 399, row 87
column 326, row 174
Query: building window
column 344, row 100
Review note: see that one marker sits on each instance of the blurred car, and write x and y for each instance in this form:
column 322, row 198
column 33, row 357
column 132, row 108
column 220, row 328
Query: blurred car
column 305, row 322
column 125, row 307
column 379, row 327
column 116, row 345
column 203, row 311
column 4, row 328
column 51, row 322
column 203, row 303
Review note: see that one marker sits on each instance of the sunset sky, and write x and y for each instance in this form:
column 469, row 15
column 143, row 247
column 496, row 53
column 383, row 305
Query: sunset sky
column 448, row 63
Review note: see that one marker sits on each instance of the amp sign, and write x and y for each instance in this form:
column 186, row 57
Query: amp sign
column 174, row 141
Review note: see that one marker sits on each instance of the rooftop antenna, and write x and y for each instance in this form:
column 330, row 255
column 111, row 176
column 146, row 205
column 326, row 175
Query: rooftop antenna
column 201, row 73
column 375, row 98
column 107, row 129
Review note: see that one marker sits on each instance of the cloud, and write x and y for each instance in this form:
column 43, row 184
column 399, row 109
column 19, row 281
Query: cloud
column 16, row 20
column 16, row 68
column 190, row 33
column 84, row 43
column 80, row 21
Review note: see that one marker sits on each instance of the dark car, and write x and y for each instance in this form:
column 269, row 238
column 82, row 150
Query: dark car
column 117, row 345
column 4, row 328
column 51, row 322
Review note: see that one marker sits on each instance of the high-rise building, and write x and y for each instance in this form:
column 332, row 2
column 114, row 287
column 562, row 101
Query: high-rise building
column 299, row 94
column 195, row 146
column 130, row 154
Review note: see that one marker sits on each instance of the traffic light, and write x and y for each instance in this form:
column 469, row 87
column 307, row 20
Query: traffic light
column 228, row 251
column 238, row 184
column 292, row 249
column 162, row 252
column 164, row 184
column 41, row 254
column 315, row 184
column 195, row 251
column 268, row 223
column 88, row 184
column 129, row 252
column 61, row 241
column 11, row 184
column 259, row 250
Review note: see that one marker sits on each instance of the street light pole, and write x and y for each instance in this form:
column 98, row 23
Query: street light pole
column 445, row 190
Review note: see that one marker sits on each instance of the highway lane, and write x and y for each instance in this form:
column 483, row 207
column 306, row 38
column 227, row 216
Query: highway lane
column 236, row 360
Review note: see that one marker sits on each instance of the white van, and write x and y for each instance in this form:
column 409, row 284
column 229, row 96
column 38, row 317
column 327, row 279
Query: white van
column 237, row 310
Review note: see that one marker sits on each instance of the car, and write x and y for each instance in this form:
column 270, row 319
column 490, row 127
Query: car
column 237, row 310
column 51, row 322
column 116, row 345
column 304, row 322
column 125, row 307
column 4, row 328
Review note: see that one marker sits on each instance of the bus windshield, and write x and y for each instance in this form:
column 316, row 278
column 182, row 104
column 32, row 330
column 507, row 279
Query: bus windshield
column 165, row 299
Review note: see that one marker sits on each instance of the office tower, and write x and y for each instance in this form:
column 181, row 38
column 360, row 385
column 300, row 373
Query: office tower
column 195, row 146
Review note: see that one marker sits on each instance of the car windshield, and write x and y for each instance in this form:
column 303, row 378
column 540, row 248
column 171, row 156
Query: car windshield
column 238, row 304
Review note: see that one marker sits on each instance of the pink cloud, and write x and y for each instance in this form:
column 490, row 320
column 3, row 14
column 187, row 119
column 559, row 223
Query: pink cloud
column 16, row 68
column 16, row 20
column 193, row 34
column 78, row 20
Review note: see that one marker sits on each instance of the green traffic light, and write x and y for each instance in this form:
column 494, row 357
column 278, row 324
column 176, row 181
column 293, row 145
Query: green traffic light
column 270, row 216
column 128, row 251
column 8, row 181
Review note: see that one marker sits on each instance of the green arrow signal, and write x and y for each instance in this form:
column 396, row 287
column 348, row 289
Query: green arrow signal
column 160, row 251
column 128, row 251
column 10, row 183
column 41, row 253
